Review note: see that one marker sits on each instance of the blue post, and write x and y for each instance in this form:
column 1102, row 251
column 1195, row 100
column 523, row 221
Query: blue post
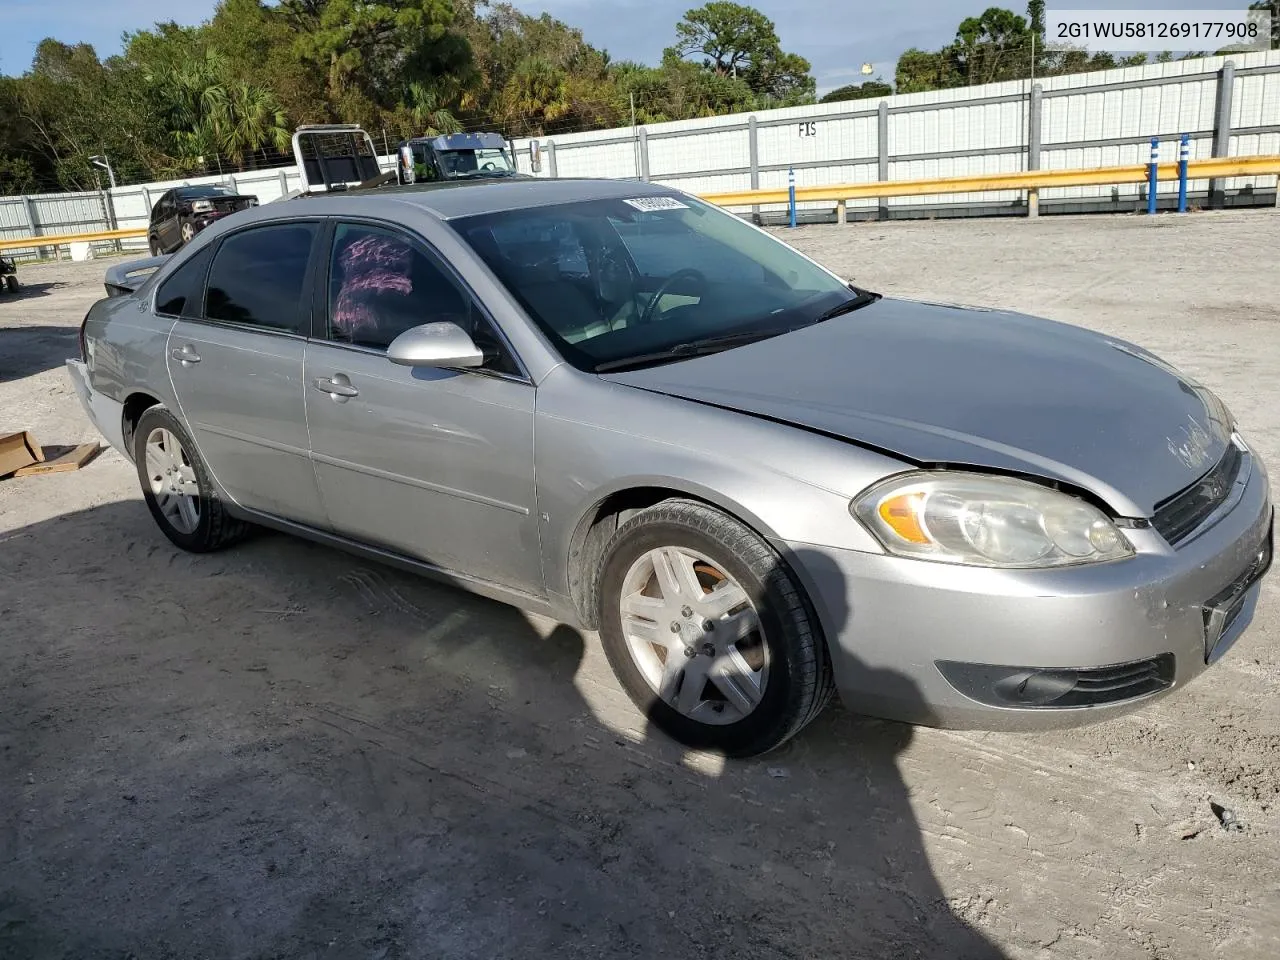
column 791, row 194
column 1153, row 175
column 1184, row 154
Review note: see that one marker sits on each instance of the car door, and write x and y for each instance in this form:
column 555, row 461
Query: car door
column 434, row 464
column 236, row 363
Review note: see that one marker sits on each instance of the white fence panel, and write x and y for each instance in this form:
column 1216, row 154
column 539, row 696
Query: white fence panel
column 1085, row 120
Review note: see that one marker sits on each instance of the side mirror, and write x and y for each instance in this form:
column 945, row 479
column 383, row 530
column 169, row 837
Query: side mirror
column 442, row 344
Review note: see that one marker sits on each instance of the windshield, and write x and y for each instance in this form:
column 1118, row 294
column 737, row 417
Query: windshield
column 609, row 280
column 210, row 190
column 462, row 162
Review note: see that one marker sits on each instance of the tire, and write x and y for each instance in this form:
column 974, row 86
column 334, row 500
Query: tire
column 11, row 283
column 188, row 232
column 788, row 680
column 154, row 245
column 209, row 527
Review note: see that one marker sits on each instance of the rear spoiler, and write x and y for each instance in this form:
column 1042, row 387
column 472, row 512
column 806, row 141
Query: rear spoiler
column 124, row 278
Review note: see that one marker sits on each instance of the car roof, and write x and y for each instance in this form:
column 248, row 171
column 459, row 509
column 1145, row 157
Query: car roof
column 450, row 200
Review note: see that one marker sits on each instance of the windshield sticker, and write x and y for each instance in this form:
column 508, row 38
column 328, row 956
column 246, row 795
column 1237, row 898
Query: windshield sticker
column 657, row 203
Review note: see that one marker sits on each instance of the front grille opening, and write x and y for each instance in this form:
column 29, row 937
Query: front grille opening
column 1178, row 517
column 1059, row 688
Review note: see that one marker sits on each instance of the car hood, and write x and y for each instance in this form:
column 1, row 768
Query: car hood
column 943, row 384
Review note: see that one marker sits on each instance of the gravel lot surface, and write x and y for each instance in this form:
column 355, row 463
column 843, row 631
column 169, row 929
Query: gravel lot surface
column 281, row 751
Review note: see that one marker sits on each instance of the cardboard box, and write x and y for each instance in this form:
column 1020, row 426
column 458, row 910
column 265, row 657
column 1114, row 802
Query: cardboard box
column 18, row 450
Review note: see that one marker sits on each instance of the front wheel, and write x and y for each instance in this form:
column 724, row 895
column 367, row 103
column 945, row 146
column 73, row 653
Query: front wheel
column 154, row 245
column 11, row 283
column 188, row 232
column 177, row 487
column 709, row 632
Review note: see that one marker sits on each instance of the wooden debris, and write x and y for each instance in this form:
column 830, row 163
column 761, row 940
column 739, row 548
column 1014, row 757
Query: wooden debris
column 61, row 460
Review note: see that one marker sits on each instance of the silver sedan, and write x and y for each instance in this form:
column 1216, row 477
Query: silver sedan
column 622, row 407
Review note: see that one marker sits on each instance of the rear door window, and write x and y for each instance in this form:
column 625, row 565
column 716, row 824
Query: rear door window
column 259, row 278
column 182, row 294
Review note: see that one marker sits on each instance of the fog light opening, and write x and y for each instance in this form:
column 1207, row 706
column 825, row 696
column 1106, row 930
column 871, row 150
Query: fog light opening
column 1037, row 687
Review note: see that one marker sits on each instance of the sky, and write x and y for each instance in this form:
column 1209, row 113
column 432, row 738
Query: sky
column 836, row 36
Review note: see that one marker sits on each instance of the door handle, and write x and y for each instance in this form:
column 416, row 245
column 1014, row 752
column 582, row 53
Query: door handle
column 185, row 354
column 341, row 390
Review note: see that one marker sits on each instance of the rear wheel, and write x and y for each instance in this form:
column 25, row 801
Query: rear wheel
column 11, row 283
column 154, row 245
column 177, row 487
column 709, row 632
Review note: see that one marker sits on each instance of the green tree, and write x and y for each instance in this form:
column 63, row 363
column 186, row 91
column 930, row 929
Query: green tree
column 365, row 45
column 859, row 91
column 1272, row 7
column 61, row 103
column 991, row 47
column 920, row 70
column 537, row 74
column 245, row 119
column 738, row 41
column 995, row 46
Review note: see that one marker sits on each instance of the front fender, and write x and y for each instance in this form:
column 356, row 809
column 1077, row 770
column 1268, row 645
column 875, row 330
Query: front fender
column 595, row 439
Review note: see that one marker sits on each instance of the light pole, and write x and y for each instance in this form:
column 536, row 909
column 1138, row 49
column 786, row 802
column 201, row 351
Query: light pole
column 102, row 163
column 108, row 203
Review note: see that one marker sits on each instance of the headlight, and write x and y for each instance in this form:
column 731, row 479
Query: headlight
column 987, row 521
column 202, row 206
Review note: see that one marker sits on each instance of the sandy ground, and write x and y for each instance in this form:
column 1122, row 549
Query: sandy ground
column 280, row 751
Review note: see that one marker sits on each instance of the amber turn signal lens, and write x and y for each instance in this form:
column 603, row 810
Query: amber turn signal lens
column 902, row 515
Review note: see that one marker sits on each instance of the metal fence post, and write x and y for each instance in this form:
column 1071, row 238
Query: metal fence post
column 1184, row 153
column 551, row 159
column 30, row 206
column 791, row 194
column 644, row 154
column 1222, row 129
column 1153, row 173
column 284, row 183
column 882, row 138
column 753, row 161
column 1033, row 145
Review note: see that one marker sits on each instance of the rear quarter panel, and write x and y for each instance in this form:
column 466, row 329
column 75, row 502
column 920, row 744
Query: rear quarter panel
column 126, row 345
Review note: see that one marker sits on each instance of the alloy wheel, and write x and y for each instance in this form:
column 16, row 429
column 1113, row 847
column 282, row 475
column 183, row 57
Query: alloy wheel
column 694, row 635
column 173, row 480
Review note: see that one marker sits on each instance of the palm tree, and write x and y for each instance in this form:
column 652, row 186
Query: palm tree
column 535, row 93
column 428, row 114
column 245, row 119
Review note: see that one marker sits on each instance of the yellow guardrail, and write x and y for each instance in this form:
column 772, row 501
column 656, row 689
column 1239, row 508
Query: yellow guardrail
column 1023, row 180
column 1033, row 180
column 61, row 239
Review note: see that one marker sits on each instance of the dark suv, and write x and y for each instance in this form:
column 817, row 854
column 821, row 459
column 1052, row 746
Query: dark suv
column 184, row 211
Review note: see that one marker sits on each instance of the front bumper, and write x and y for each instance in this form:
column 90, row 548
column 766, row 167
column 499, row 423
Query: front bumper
column 944, row 645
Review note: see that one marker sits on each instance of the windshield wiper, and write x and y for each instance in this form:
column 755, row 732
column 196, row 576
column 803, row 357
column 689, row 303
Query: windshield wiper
column 863, row 298
column 692, row 348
